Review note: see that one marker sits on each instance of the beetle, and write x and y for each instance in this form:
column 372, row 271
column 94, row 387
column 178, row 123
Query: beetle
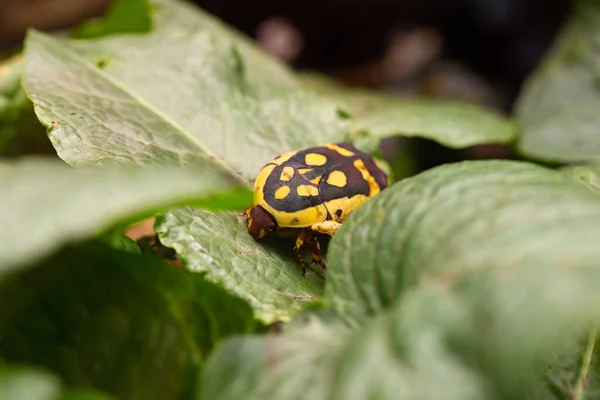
column 312, row 190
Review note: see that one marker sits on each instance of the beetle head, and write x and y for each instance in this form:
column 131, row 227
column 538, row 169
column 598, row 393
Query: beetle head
column 260, row 222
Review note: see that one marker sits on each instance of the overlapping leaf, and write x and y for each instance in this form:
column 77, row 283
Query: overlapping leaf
column 268, row 277
column 451, row 123
column 261, row 68
column 557, row 109
column 401, row 354
column 472, row 272
column 128, row 325
column 183, row 96
column 45, row 204
column 173, row 97
column 455, row 220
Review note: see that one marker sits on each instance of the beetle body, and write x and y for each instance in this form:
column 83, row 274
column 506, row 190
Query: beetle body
column 314, row 188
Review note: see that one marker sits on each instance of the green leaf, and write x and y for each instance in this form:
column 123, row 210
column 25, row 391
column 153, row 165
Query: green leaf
column 450, row 123
column 557, row 107
column 261, row 67
column 21, row 382
column 512, row 238
column 404, row 353
column 172, row 97
column 45, row 204
column 459, row 283
column 123, row 16
column 457, row 219
column 588, row 174
column 358, row 103
column 191, row 102
column 268, row 277
column 131, row 326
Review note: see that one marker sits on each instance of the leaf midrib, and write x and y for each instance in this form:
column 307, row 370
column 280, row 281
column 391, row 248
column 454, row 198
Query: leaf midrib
column 70, row 54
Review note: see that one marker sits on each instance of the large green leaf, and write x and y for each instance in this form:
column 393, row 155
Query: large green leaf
column 261, row 67
column 557, row 109
column 268, row 277
column 451, row 123
column 181, row 95
column 460, row 283
column 45, row 204
column 173, row 97
column 402, row 354
column 455, row 220
column 499, row 231
column 131, row 326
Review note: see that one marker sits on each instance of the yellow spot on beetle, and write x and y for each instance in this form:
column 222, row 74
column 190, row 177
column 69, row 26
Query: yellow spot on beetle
column 287, row 173
column 282, row 192
column 307, row 190
column 316, row 180
column 315, row 159
column 337, row 178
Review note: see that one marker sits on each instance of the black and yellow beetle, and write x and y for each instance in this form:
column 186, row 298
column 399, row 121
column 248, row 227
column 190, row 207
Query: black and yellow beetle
column 312, row 190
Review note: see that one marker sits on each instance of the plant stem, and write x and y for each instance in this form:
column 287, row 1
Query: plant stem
column 585, row 366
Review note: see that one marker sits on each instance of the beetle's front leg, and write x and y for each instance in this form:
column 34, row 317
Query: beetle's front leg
column 301, row 240
column 315, row 254
column 326, row 227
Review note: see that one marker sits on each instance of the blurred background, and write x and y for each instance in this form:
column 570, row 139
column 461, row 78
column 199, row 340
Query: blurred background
column 474, row 50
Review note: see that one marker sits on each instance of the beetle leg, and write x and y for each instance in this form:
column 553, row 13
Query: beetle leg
column 326, row 227
column 300, row 241
column 316, row 253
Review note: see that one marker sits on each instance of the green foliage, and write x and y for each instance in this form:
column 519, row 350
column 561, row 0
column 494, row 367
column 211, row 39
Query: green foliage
column 156, row 113
column 475, row 280
column 450, row 123
column 129, row 325
column 437, row 218
column 441, row 308
column 82, row 203
column 557, row 109
column 268, row 277
column 260, row 68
